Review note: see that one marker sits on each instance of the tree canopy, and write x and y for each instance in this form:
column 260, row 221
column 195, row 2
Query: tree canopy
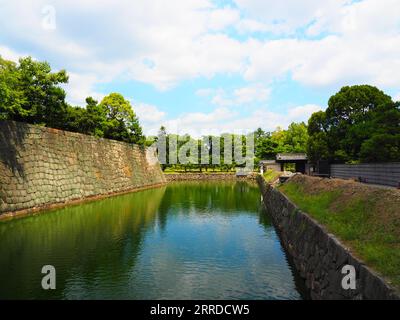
column 361, row 123
column 294, row 139
column 30, row 92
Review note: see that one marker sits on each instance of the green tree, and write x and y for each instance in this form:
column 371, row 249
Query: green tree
column 348, row 116
column 10, row 95
column 30, row 92
column 357, row 119
column 90, row 120
column 317, row 123
column 121, row 122
column 296, row 137
column 264, row 145
column 317, row 145
column 74, row 119
column 381, row 148
column 268, row 144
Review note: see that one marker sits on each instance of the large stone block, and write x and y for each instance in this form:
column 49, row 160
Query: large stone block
column 319, row 256
column 55, row 166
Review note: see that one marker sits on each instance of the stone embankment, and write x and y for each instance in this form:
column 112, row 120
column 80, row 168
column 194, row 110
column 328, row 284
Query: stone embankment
column 207, row 176
column 319, row 256
column 41, row 167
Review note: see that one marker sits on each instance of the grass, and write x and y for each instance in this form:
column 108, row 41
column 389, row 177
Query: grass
column 271, row 175
column 358, row 219
column 197, row 171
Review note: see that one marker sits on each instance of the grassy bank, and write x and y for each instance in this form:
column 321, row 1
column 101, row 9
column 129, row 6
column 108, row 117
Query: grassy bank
column 198, row 172
column 365, row 218
column 271, row 175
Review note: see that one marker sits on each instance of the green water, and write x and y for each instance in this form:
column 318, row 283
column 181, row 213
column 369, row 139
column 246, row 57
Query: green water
column 184, row 241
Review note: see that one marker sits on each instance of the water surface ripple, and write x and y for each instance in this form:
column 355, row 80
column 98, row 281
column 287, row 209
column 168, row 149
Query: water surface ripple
column 184, row 241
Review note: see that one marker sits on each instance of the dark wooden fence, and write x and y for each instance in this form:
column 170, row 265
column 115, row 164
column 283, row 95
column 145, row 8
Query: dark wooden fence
column 377, row 173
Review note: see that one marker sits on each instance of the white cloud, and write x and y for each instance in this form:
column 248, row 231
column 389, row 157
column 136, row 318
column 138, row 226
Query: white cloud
column 366, row 17
column 285, row 17
column 163, row 43
column 81, row 86
column 303, row 113
column 251, row 26
column 328, row 62
column 177, row 37
column 363, row 49
column 219, row 19
column 9, row 54
column 148, row 113
column 251, row 93
column 247, row 95
column 205, row 56
column 223, row 120
column 199, row 123
column 221, row 99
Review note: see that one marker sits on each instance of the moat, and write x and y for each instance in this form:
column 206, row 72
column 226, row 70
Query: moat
column 187, row 240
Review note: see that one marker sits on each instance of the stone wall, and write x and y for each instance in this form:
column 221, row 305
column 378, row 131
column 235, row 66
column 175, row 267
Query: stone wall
column 41, row 166
column 318, row 255
column 205, row 176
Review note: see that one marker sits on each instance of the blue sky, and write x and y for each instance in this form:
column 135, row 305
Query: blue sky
column 203, row 66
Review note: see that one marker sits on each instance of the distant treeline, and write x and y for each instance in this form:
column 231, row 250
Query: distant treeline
column 361, row 123
column 266, row 146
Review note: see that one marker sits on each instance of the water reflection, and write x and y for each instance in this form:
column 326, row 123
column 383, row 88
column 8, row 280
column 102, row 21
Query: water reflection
column 187, row 240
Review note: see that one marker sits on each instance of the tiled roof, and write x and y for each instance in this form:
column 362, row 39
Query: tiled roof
column 268, row 161
column 291, row 156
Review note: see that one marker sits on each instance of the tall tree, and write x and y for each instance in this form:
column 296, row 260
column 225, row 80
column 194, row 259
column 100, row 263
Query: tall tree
column 90, row 120
column 10, row 94
column 121, row 122
column 30, row 92
column 348, row 130
column 317, row 146
column 296, row 137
